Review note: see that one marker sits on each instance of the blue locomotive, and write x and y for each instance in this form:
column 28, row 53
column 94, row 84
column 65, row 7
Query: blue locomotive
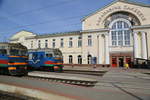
column 49, row 59
column 13, row 59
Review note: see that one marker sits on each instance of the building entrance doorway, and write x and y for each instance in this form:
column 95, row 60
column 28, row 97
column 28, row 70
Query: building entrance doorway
column 128, row 61
column 114, row 61
column 121, row 62
column 118, row 60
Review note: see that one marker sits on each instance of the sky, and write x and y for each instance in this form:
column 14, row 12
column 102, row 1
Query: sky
column 46, row 16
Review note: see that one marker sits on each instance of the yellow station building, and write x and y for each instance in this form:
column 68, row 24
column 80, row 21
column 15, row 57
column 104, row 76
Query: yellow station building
column 113, row 35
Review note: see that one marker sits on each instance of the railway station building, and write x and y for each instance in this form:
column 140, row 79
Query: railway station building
column 113, row 35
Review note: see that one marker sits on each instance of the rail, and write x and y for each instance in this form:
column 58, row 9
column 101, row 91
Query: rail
column 63, row 79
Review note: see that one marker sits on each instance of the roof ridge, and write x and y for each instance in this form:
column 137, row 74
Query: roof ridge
column 134, row 2
column 109, row 4
column 57, row 33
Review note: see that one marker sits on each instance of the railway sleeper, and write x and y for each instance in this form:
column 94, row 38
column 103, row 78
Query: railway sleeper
column 73, row 82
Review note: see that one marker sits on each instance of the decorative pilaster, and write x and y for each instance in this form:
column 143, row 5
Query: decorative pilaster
column 99, row 49
column 107, row 59
column 135, row 36
column 144, row 48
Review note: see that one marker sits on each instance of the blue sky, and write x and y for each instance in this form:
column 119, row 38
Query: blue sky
column 46, row 16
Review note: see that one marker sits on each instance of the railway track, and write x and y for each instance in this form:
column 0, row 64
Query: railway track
column 62, row 79
column 68, row 79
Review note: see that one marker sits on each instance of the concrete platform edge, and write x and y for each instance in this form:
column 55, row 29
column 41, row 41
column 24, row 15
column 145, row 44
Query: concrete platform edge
column 31, row 92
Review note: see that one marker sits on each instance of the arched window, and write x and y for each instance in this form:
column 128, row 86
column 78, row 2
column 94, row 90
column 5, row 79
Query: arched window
column 79, row 59
column 70, row 59
column 120, row 32
column 89, row 59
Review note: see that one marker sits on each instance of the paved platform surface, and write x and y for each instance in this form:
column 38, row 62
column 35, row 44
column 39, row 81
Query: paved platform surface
column 11, row 96
column 116, row 84
column 58, row 76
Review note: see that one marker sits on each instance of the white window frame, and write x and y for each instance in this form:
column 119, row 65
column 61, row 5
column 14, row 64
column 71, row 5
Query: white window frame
column 89, row 40
column 70, row 42
column 118, row 29
column 80, row 41
column 53, row 43
column 39, row 43
column 31, row 44
column 46, row 43
column 70, row 59
column 61, row 42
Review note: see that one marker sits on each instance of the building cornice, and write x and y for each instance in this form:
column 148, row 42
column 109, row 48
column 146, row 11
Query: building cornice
column 95, row 30
column 13, row 39
column 141, row 27
column 55, row 35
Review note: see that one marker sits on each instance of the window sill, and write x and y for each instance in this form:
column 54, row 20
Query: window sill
column 120, row 46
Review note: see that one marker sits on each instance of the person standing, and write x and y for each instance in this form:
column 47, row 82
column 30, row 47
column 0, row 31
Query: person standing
column 126, row 66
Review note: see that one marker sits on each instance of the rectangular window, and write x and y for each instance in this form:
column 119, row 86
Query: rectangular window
column 89, row 40
column 114, row 26
column 62, row 43
column 31, row 44
column 70, row 42
column 39, row 44
column 127, row 37
column 70, row 59
column 46, row 43
column 114, row 38
column 120, row 38
column 53, row 43
column 79, row 41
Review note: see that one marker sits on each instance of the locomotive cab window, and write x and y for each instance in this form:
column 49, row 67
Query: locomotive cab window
column 23, row 52
column 49, row 55
column 30, row 56
column 57, row 53
column 14, row 52
column 3, row 51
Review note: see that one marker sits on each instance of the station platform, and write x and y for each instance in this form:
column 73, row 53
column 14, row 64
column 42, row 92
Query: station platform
column 116, row 84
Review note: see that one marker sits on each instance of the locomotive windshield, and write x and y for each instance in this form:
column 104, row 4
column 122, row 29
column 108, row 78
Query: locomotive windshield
column 3, row 50
column 14, row 52
column 23, row 52
column 54, row 53
column 49, row 55
column 12, row 49
column 57, row 53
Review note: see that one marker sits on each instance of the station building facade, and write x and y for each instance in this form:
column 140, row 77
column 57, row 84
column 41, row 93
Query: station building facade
column 113, row 35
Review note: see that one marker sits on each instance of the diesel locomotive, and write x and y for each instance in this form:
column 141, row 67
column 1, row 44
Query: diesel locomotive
column 13, row 59
column 49, row 59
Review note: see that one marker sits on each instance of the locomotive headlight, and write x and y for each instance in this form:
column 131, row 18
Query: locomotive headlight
column 56, row 67
column 11, row 68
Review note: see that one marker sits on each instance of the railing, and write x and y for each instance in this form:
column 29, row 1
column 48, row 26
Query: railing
column 141, row 63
